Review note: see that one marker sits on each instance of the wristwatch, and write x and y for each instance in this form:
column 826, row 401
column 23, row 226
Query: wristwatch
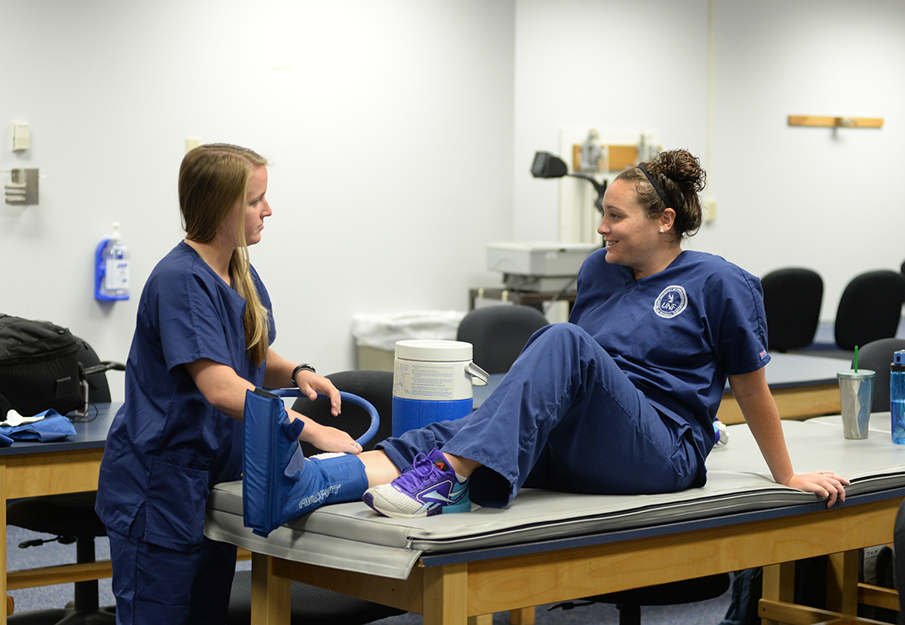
column 301, row 367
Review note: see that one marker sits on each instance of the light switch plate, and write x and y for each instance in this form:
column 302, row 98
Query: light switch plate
column 20, row 136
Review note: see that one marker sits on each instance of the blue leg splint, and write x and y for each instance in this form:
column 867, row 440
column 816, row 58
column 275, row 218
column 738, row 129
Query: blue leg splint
column 278, row 482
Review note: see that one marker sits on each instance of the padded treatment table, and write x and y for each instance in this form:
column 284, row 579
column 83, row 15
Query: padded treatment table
column 547, row 546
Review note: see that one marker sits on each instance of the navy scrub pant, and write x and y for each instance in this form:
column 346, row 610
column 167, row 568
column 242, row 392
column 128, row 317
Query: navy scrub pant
column 564, row 418
column 155, row 585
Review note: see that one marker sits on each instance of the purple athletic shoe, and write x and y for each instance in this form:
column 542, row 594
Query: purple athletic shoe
column 426, row 488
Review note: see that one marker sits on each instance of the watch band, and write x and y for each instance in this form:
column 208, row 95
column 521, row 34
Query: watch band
column 301, row 367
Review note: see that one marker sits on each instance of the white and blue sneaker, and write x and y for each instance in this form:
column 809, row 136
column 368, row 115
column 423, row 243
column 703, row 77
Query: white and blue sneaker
column 428, row 487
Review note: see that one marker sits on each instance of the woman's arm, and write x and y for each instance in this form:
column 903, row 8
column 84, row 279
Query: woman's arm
column 762, row 416
column 225, row 390
column 221, row 386
column 279, row 375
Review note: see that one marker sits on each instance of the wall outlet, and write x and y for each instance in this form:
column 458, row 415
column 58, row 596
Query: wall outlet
column 709, row 210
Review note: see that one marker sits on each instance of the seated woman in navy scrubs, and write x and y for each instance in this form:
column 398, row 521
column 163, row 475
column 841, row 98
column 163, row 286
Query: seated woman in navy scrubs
column 202, row 338
column 622, row 398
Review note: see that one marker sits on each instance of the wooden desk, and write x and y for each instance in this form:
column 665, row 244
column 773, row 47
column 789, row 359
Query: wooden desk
column 450, row 588
column 35, row 469
column 802, row 387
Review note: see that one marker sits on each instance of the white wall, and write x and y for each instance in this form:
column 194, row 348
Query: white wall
column 603, row 64
column 402, row 131
column 388, row 124
column 809, row 196
column 785, row 196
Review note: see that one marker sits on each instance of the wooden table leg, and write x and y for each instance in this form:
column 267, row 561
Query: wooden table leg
column 524, row 616
column 778, row 602
column 446, row 594
column 271, row 602
column 778, row 585
column 842, row 582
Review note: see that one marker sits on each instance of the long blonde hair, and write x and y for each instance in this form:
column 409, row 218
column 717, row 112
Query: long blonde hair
column 212, row 178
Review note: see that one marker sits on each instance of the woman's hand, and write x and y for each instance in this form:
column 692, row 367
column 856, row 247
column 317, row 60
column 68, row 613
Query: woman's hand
column 310, row 384
column 824, row 483
column 326, row 438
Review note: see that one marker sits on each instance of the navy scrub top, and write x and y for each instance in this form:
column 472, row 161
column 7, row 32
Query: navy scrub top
column 168, row 446
column 677, row 334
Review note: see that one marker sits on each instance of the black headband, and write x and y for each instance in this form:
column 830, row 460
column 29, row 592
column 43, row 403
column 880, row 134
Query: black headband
column 655, row 185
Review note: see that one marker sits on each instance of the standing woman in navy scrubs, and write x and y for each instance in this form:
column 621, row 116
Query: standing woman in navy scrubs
column 202, row 339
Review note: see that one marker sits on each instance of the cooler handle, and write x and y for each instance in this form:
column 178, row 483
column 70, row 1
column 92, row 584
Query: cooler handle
column 478, row 376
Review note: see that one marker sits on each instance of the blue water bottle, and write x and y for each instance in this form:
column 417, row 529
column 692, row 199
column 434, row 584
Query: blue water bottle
column 897, row 397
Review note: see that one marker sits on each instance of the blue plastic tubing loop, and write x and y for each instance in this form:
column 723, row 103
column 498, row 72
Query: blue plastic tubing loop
column 346, row 397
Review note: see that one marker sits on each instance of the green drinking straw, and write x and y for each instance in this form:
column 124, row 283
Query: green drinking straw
column 856, row 359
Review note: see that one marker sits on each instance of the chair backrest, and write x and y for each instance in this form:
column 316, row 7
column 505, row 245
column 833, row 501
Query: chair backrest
column 870, row 308
column 792, row 299
column 498, row 333
column 374, row 386
column 877, row 356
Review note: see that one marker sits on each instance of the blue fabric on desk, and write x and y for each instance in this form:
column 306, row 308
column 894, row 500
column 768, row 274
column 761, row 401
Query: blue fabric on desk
column 52, row 427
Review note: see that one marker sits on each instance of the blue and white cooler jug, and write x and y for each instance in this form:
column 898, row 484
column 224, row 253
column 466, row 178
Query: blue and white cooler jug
column 432, row 381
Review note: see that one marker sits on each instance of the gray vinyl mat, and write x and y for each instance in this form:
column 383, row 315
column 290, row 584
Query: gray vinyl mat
column 352, row 537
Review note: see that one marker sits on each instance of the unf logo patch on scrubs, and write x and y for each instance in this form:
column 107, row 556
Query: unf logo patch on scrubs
column 671, row 302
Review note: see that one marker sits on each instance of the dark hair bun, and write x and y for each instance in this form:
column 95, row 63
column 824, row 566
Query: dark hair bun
column 682, row 168
column 680, row 174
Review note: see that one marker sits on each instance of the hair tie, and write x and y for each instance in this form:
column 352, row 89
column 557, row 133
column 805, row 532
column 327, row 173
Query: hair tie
column 655, row 185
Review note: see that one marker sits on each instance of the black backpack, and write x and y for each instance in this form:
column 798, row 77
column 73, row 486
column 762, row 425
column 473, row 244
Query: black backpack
column 39, row 367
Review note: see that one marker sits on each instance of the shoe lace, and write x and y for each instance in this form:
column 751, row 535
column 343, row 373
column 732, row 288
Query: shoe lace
column 419, row 471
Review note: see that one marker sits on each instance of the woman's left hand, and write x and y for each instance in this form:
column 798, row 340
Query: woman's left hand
column 310, row 384
column 824, row 483
column 330, row 439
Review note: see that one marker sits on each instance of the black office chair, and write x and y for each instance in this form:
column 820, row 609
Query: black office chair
column 792, row 299
column 374, row 386
column 870, row 308
column 312, row 605
column 877, row 356
column 71, row 518
column 499, row 333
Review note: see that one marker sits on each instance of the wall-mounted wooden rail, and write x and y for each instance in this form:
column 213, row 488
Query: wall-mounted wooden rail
column 826, row 121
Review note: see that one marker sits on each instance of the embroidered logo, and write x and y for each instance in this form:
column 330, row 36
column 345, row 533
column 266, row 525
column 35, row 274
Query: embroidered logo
column 671, row 302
